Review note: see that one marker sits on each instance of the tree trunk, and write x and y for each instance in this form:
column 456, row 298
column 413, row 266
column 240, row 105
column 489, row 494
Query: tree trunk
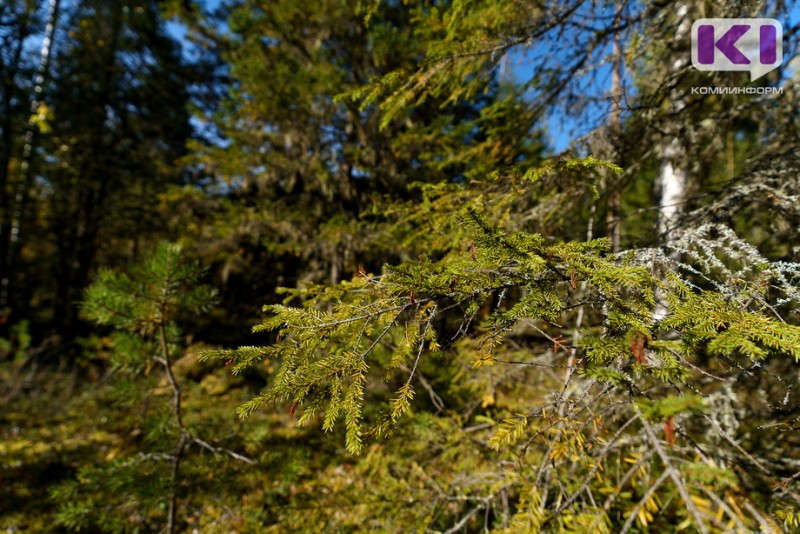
column 671, row 180
column 614, row 186
column 26, row 176
column 8, row 73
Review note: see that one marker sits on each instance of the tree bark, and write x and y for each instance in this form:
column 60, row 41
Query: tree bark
column 26, row 176
column 614, row 186
column 671, row 179
column 8, row 73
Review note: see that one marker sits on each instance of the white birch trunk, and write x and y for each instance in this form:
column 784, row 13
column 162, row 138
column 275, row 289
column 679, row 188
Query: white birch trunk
column 671, row 179
column 27, row 151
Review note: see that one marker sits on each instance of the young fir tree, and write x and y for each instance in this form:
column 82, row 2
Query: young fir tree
column 147, row 483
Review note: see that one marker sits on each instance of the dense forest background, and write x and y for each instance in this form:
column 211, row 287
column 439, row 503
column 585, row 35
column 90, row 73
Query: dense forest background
column 395, row 266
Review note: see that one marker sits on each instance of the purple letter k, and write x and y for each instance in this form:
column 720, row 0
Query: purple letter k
column 726, row 44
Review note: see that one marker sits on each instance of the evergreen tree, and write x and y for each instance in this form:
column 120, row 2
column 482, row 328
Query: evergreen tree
column 302, row 171
column 142, row 306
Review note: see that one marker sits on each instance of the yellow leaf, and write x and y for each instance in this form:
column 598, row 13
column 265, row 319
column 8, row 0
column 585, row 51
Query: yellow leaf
column 642, row 517
column 701, row 502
